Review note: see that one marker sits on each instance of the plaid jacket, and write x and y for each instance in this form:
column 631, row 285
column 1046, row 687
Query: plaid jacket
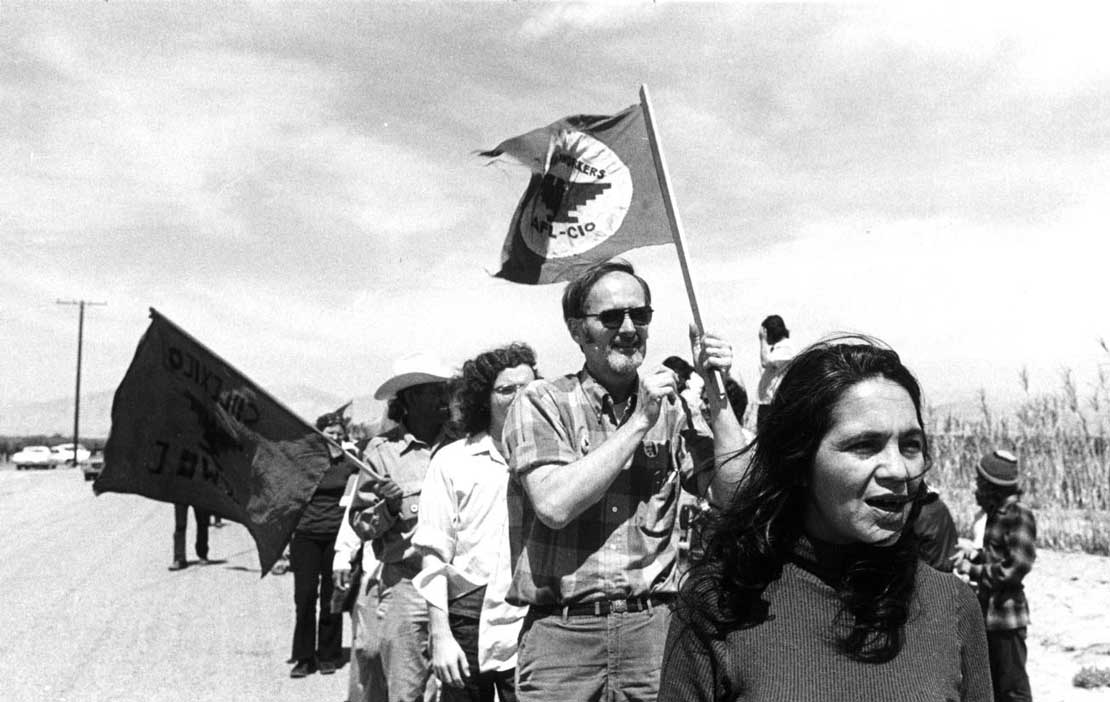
column 621, row 547
column 1007, row 555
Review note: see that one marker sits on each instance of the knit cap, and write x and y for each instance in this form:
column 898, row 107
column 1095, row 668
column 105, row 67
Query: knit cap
column 999, row 467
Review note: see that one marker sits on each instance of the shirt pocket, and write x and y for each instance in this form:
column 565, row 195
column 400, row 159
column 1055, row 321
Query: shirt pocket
column 651, row 468
column 410, row 507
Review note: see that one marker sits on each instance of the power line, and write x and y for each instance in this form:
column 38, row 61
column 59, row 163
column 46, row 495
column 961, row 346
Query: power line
column 81, row 304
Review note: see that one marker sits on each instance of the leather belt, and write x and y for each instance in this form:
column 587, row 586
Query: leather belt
column 603, row 608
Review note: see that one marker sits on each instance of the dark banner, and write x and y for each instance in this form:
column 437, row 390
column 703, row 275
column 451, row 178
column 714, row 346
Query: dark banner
column 188, row 428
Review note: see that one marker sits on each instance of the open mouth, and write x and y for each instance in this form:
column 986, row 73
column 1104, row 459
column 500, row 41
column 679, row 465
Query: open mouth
column 889, row 503
column 626, row 347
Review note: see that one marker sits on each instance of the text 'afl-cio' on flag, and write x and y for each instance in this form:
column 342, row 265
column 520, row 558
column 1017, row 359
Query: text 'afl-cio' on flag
column 594, row 194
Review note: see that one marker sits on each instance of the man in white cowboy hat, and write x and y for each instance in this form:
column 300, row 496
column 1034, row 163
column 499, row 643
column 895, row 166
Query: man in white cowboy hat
column 384, row 512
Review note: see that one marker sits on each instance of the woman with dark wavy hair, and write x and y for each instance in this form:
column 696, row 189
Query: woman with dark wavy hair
column 810, row 586
column 463, row 536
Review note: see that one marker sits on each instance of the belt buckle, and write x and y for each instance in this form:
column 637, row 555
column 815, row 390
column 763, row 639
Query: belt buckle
column 618, row 606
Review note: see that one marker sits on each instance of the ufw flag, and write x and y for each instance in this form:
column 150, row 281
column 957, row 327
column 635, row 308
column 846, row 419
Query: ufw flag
column 594, row 194
column 188, row 428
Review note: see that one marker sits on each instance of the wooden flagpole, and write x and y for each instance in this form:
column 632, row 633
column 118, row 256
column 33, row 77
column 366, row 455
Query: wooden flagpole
column 677, row 233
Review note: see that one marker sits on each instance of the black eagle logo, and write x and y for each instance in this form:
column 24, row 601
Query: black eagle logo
column 560, row 197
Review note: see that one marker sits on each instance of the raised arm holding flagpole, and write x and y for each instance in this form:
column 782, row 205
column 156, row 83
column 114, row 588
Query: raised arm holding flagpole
column 717, row 397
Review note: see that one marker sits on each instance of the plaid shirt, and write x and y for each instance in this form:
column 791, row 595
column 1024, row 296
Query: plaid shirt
column 1007, row 555
column 401, row 457
column 623, row 546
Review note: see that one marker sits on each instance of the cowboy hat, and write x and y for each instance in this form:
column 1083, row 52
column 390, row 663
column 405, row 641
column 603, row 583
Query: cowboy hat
column 413, row 370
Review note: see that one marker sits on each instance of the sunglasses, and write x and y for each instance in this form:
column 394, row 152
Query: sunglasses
column 613, row 319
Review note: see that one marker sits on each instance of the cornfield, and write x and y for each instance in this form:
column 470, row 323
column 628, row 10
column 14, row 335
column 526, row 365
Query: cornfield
column 1061, row 442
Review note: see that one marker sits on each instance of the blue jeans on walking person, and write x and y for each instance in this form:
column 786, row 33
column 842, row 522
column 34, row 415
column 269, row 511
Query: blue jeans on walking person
column 404, row 636
column 367, row 678
column 591, row 657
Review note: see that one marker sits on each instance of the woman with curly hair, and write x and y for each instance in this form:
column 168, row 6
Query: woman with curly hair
column 463, row 535
column 810, row 585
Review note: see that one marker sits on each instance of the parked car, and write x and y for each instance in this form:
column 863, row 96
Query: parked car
column 63, row 453
column 93, row 466
column 33, row 457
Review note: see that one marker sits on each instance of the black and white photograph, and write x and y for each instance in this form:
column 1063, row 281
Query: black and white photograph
column 417, row 351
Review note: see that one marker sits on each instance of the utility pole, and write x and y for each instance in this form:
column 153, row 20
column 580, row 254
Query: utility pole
column 80, row 341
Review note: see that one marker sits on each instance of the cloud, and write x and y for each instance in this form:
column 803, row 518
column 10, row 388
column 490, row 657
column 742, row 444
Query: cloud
column 297, row 186
column 577, row 16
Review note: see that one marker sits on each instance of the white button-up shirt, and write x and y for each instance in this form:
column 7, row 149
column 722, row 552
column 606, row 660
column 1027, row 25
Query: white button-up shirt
column 464, row 520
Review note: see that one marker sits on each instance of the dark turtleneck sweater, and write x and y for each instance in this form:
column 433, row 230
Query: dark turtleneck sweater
column 793, row 655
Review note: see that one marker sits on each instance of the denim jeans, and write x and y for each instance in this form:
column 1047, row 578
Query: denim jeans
column 611, row 658
column 404, row 637
column 367, row 678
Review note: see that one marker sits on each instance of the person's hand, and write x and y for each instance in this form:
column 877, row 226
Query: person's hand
column 448, row 660
column 962, row 560
column 391, row 493
column 341, row 578
column 710, row 352
column 963, row 566
column 655, row 386
column 966, row 550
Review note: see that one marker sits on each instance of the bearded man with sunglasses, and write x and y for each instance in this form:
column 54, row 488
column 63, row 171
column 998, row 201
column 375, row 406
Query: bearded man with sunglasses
column 597, row 459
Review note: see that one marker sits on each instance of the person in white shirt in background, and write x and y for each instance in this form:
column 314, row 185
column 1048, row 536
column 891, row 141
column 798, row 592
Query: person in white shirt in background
column 355, row 566
column 775, row 351
column 463, row 535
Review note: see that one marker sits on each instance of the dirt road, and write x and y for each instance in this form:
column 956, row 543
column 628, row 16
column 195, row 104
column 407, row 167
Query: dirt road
column 92, row 614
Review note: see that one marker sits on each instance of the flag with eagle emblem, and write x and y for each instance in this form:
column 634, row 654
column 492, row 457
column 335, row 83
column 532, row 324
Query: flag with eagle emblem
column 594, row 194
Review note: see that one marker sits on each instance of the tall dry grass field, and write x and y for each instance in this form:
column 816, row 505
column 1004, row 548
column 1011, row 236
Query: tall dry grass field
column 1061, row 441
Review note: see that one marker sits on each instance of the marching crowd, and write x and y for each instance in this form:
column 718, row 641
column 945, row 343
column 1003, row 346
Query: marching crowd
column 516, row 536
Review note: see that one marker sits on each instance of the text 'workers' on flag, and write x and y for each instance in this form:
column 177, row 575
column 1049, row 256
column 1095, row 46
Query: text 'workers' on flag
column 594, row 194
column 188, row 428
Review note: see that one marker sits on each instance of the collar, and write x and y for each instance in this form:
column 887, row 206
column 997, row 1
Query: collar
column 401, row 433
column 1007, row 504
column 601, row 400
column 822, row 559
column 481, row 444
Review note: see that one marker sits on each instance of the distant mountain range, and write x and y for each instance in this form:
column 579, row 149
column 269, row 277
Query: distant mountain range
column 56, row 416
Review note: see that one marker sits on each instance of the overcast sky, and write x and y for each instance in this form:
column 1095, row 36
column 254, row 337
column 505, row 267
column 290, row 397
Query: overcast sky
column 296, row 185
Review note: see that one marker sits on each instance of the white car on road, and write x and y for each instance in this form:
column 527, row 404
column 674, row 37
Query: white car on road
column 33, row 457
column 63, row 453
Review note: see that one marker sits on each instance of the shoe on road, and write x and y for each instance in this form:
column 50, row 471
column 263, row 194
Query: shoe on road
column 302, row 669
column 178, row 565
column 328, row 667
